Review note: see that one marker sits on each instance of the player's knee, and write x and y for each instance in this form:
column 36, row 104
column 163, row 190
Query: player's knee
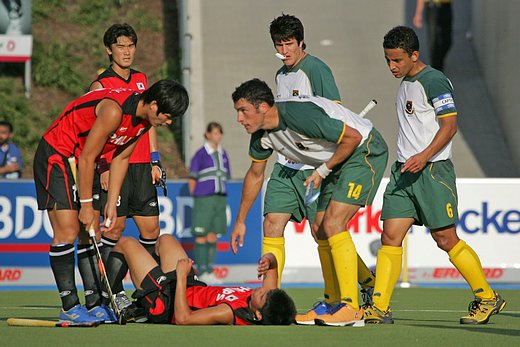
column 272, row 227
column 65, row 235
column 164, row 239
column 330, row 227
column 446, row 243
column 125, row 242
column 152, row 233
column 388, row 239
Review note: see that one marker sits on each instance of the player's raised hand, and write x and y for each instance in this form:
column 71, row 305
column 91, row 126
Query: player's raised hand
column 183, row 267
column 237, row 236
column 263, row 265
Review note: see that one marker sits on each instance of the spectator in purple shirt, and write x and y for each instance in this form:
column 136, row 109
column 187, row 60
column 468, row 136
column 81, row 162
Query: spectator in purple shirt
column 209, row 172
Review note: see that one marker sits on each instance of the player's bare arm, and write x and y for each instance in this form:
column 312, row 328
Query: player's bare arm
column 220, row 314
column 267, row 268
column 118, row 169
column 95, row 85
column 348, row 144
column 154, row 147
column 448, row 129
column 108, row 119
column 253, row 182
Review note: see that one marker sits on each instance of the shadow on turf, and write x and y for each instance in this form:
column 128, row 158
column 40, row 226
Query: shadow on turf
column 473, row 328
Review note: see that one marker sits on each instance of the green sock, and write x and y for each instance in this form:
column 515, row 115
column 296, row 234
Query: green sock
column 212, row 255
column 201, row 257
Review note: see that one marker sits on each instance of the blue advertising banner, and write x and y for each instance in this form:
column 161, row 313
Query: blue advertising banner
column 25, row 232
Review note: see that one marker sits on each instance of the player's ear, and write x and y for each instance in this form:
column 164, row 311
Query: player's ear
column 415, row 56
column 108, row 50
column 153, row 106
column 258, row 315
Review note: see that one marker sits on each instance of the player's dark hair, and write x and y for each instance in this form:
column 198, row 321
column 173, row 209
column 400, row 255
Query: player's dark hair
column 286, row 27
column 171, row 97
column 214, row 125
column 254, row 91
column 279, row 308
column 118, row 30
column 7, row 124
column 402, row 37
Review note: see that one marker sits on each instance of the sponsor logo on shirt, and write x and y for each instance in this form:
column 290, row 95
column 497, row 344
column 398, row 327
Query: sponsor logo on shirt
column 140, row 86
column 295, row 92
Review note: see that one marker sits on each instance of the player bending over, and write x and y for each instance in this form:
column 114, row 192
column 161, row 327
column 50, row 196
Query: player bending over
column 171, row 294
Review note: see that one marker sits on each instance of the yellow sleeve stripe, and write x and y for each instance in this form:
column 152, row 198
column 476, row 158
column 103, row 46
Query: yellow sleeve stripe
column 447, row 115
column 342, row 133
column 259, row 160
column 338, row 102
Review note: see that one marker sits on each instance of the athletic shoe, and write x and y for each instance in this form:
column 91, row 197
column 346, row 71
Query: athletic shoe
column 104, row 313
column 122, row 301
column 366, row 295
column 129, row 309
column 342, row 315
column 373, row 315
column 78, row 314
column 320, row 308
column 480, row 310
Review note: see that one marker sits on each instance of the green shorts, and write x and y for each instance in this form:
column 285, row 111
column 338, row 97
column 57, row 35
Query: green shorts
column 356, row 181
column 429, row 196
column 209, row 215
column 285, row 194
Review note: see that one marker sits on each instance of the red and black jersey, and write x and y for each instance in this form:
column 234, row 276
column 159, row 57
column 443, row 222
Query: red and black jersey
column 136, row 81
column 68, row 133
column 237, row 298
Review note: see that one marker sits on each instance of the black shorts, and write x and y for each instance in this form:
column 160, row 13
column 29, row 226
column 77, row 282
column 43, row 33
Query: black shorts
column 53, row 179
column 138, row 195
column 157, row 295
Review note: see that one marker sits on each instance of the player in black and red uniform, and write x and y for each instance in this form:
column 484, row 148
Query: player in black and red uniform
column 138, row 197
column 96, row 123
column 171, row 294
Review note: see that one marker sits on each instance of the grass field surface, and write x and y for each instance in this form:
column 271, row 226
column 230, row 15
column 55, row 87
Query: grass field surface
column 423, row 317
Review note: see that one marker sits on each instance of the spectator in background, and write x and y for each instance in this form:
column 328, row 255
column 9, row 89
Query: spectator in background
column 438, row 28
column 10, row 155
column 209, row 172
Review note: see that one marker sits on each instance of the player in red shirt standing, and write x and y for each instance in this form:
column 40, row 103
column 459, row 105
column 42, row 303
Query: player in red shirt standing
column 171, row 294
column 96, row 123
column 138, row 197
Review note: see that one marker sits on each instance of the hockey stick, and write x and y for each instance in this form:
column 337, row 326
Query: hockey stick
column 92, row 233
column 368, row 108
column 312, row 194
column 25, row 322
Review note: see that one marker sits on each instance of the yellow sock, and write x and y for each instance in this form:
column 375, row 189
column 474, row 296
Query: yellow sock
column 329, row 273
column 464, row 258
column 365, row 277
column 388, row 270
column 275, row 245
column 345, row 262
